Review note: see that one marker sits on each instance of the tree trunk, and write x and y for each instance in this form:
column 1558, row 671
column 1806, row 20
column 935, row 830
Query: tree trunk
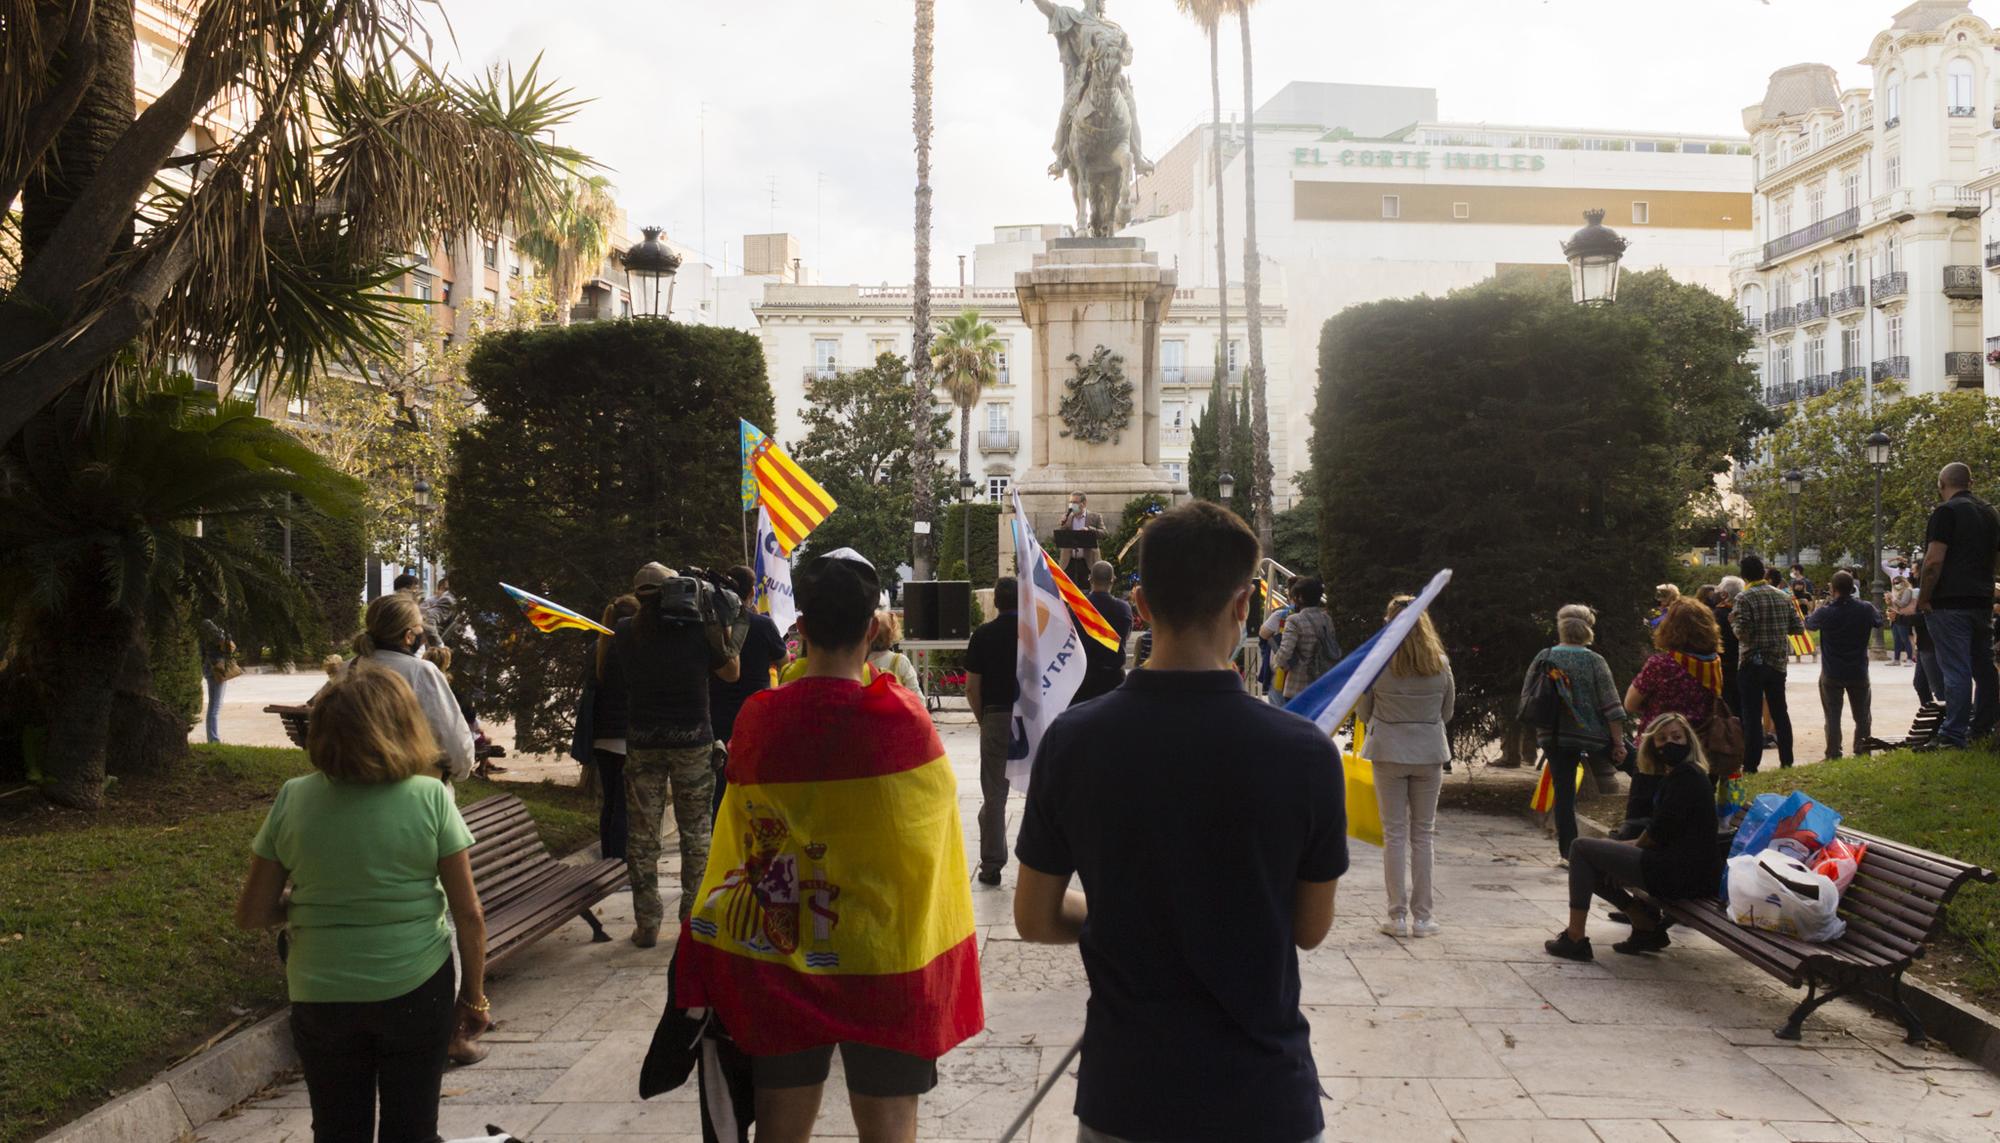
column 83, row 665
column 964, row 446
column 80, row 147
column 1223, row 426
column 924, row 457
column 1253, row 305
column 146, row 736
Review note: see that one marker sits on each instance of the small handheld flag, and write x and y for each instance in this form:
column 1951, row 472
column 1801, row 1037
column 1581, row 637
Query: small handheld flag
column 1088, row 619
column 550, row 616
column 1050, row 664
column 1332, row 696
column 796, row 502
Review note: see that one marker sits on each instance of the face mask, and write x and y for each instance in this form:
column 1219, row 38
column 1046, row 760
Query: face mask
column 1672, row 753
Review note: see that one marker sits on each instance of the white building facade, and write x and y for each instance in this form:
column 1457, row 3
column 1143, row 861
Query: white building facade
column 813, row 331
column 1866, row 265
column 1351, row 209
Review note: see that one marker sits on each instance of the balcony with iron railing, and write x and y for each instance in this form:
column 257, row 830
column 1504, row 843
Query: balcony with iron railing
column 1817, row 385
column 1783, row 394
column 1779, row 318
column 1993, row 255
column 999, row 440
column 1848, row 298
column 1895, row 284
column 825, row 372
column 1848, row 373
column 1965, row 370
column 1826, row 229
column 1812, row 310
column 1963, row 282
column 1891, row 369
column 1753, row 322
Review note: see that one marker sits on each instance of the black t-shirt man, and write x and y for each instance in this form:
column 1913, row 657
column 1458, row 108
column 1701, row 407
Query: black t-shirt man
column 666, row 666
column 991, row 655
column 1970, row 532
column 1104, row 667
column 763, row 649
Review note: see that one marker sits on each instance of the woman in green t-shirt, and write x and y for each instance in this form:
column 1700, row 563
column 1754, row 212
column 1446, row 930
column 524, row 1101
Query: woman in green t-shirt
column 375, row 851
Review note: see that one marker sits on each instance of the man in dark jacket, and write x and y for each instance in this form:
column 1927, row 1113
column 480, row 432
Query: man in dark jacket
column 1845, row 626
column 1104, row 667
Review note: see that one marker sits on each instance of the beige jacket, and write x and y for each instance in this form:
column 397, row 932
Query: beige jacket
column 1406, row 718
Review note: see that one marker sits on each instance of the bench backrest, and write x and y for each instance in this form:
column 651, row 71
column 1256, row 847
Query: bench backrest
column 506, row 850
column 1897, row 901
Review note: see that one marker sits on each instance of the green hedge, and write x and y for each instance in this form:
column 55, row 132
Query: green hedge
column 985, row 544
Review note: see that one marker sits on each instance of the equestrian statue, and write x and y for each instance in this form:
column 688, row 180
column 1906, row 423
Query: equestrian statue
column 1097, row 135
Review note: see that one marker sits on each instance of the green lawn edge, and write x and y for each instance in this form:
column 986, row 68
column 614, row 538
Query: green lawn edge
column 1947, row 802
column 117, row 950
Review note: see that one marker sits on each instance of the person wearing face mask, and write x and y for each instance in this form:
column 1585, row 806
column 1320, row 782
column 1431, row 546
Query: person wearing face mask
column 392, row 635
column 1676, row 858
column 1078, row 517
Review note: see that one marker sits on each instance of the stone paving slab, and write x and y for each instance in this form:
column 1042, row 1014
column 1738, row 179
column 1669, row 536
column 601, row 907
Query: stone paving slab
column 1472, row 1037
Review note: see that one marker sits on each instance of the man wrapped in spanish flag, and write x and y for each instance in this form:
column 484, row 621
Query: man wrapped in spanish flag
column 836, row 909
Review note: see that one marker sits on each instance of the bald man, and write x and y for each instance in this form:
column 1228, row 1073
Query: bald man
column 1957, row 599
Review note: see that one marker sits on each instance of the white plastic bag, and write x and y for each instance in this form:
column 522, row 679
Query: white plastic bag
column 1777, row 893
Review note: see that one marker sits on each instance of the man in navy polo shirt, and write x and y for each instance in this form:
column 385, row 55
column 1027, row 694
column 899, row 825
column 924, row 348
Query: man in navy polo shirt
column 1207, row 829
column 1957, row 601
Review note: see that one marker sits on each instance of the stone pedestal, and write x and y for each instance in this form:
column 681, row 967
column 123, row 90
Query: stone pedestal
column 1082, row 295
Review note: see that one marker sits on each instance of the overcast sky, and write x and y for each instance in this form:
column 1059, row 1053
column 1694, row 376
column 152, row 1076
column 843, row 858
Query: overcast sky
column 812, row 97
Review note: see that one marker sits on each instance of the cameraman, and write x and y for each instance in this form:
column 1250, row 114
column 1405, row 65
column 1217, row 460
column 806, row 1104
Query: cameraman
column 683, row 634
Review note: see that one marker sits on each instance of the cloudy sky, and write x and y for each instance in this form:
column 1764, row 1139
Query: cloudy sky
column 805, row 104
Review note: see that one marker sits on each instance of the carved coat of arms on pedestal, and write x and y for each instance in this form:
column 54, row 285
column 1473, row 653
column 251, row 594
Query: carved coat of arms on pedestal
column 1098, row 406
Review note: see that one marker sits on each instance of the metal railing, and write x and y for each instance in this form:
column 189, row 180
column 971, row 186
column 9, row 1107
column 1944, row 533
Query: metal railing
column 1962, row 282
column 1817, row 385
column 1812, row 309
column 1848, row 373
column 1848, row 298
column 1992, row 255
column 1891, row 122
column 1891, row 369
column 1832, row 226
column 1775, row 395
column 1891, row 285
column 1780, row 318
column 1753, row 322
column 999, row 440
column 822, row 372
column 1959, row 112
column 1963, row 366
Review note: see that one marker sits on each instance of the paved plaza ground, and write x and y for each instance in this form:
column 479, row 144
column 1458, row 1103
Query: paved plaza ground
column 1475, row 1036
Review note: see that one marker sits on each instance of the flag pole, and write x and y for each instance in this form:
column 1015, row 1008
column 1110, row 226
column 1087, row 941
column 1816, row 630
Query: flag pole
column 743, row 521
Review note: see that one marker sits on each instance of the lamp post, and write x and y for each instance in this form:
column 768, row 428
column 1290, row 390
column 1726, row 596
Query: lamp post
column 1877, row 449
column 1593, row 255
column 421, row 492
column 649, row 273
column 1225, row 486
column 967, row 487
column 1795, row 483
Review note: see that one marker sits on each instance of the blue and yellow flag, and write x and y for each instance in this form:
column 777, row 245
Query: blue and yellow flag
column 752, row 437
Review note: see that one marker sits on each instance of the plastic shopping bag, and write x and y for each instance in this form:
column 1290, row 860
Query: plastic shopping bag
column 1364, row 813
column 1838, row 861
column 1796, row 827
column 1779, row 894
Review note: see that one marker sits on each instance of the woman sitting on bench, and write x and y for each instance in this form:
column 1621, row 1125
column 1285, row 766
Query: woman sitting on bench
column 1675, row 858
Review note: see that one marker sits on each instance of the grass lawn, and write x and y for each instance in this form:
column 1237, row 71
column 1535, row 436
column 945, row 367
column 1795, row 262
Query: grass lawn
column 1946, row 802
column 117, row 951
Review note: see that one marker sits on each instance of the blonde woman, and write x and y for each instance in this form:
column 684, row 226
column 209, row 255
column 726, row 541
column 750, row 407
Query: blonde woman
column 1675, row 858
column 1405, row 713
column 885, row 659
column 370, row 964
column 391, row 638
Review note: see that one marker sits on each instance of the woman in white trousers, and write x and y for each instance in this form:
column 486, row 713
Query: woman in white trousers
column 1405, row 713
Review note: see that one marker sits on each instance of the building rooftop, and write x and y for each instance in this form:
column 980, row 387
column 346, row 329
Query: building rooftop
column 1924, row 15
column 1795, row 90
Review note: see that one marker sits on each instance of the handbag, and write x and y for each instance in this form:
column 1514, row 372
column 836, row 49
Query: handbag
column 1721, row 736
column 1364, row 813
column 225, row 669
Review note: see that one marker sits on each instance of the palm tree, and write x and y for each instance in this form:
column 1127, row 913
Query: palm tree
column 966, row 356
column 113, row 530
column 1207, row 15
column 1253, row 303
column 568, row 235
column 923, row 502
column 279, row 244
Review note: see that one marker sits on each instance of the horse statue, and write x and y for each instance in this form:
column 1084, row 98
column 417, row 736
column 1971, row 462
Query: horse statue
column 1097, row 136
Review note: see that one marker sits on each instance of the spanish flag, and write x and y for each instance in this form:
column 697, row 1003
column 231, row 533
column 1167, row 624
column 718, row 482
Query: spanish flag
column 836, row 905
column 1088, row 620
column 796, row 502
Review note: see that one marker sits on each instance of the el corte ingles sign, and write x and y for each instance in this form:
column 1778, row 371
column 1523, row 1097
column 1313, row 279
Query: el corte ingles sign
column 1446, row 160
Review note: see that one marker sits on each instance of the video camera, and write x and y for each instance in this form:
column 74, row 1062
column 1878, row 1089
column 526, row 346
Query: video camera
column 698, row 595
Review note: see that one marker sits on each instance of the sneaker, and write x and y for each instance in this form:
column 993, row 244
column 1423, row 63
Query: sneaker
column 1394, row 927
column 1562, row 863
column 1568, row 949
column 1425, row 928
column 1642, row 941
column 989, row 877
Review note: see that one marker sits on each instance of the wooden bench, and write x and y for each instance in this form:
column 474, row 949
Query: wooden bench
column 1923, row 728
column 298, row 717
column 526, row 893
column 1893, row 909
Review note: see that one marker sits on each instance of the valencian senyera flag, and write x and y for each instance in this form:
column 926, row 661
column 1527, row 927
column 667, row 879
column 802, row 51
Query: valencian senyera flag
column 1049, row 665
column 836, row 906
column 1088, row 619
column 796, row 502
column 1332, row 696
column 549, row 615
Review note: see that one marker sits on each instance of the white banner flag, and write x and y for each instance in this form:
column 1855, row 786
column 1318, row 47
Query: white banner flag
column 1049, row 663
column 774, row 576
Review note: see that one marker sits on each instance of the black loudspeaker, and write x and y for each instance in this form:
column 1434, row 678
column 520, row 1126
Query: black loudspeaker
column 954, row 609
column 920, row 609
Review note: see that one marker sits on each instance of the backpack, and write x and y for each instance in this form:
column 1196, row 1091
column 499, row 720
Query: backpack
column 1544, row 695
column 1721, row 736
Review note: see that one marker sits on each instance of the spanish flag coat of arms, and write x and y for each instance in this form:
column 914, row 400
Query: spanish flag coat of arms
column 836, row 906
